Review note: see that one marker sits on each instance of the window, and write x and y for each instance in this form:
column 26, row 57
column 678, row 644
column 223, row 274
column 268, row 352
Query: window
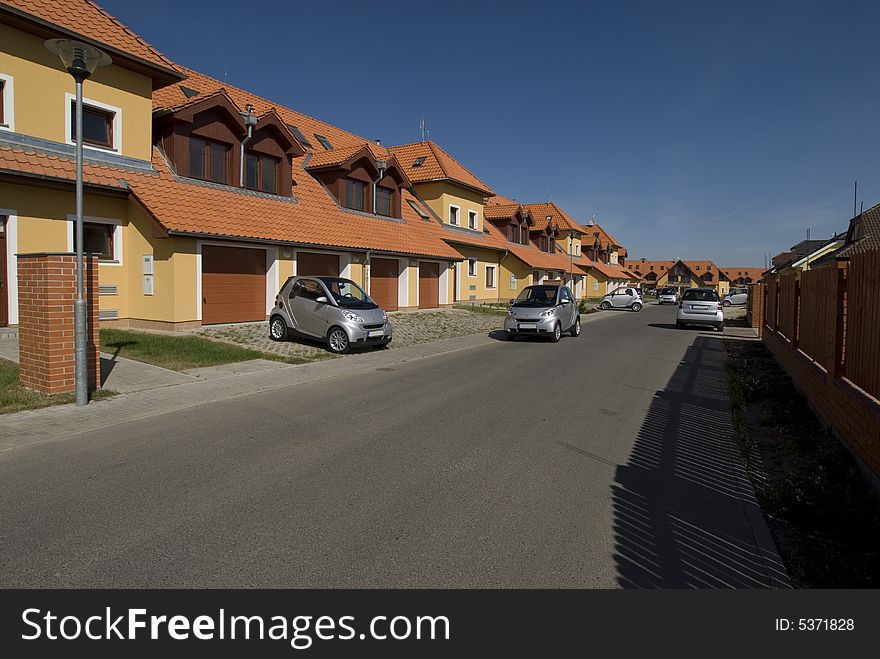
column 297, row 133
column 472, row 219
column 324, row 142
column 208, row 160
column 418, row 209
column 490, row 276
column 419, row 161
column 97, row 239
column 308, row 289
column 261, row 172
column 384, row 201
column 2, row 103
column 453, row 215
column 97, row 126
column 472, row 267
column 355, row 191
column 523, row 235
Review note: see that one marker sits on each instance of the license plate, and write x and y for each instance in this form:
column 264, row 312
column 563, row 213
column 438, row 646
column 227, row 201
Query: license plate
column 699, row 306
column 528, row 326
column 373, row 333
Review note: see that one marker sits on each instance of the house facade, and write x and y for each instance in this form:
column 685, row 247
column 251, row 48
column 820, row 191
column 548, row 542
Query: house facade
column 200, row 198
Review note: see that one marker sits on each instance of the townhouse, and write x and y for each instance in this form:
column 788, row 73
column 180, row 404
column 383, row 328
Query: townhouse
column 744, row 276
column 200, row 197
column 682, row 274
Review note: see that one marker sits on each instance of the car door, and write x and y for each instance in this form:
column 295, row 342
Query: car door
column 630, row 297
column 618, row 298
column 569, row 307
column 309, row 315
column 741, row 296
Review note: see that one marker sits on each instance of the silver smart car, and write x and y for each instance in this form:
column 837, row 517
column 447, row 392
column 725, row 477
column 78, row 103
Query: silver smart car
column 700, row 306
column 543, row 310
column 331, row 309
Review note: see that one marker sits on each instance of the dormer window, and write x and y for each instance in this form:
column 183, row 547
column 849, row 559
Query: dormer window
column 208, row 160
column 261, row 172
column 355, row 194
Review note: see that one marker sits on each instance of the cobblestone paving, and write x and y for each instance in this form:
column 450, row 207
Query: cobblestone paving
column 410, row 328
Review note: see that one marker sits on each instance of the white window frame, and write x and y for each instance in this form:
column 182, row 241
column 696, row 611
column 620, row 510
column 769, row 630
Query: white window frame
column 117, row 123
column 476, row 215
column 457, row 215
column 494, row 277
column 472, row 272
column 117, row 236
column 11, row 292
column 8, row 103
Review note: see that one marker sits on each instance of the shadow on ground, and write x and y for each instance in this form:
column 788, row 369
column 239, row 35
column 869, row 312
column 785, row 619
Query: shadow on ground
column 682, row 502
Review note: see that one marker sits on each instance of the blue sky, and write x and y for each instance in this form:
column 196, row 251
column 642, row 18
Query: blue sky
column 705, row 130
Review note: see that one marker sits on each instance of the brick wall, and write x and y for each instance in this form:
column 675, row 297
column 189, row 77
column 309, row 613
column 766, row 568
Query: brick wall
column 755, row 309
column 46, row 297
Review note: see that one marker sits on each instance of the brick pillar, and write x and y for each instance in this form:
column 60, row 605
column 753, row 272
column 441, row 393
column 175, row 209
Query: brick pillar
column 757, row 293
column 46, row 295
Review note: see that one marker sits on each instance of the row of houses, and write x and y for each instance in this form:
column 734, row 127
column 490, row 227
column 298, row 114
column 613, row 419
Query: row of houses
column 681, row 274
column 201, row 198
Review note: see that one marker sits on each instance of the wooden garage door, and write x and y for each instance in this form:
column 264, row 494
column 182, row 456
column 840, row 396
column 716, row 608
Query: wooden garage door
column 233, row 284
column 383, row 282
column 429, row 285
column 317, row 265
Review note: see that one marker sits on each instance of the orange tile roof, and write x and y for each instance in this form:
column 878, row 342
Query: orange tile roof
column 610, row 270
column 500, row 200
column 500, row 212
column 644, row 266
column 334, row 157
column 703, row 266
column 437, row 166
column 529, row 254
column 605, row 239
column 185, row 206
column 754, row 273
column 559, row 218
column 173, row 97
column 86, row 19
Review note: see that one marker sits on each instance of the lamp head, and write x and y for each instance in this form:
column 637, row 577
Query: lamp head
column 80, row 59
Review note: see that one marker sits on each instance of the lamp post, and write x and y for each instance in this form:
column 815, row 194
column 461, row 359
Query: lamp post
column 80, row 60
column 571, row 235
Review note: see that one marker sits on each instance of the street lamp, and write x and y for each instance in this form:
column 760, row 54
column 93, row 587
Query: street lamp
column 571, row 234
column 80, row 60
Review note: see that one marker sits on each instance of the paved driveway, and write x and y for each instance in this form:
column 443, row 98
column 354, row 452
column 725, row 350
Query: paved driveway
column 410, row 328
column 601, row 461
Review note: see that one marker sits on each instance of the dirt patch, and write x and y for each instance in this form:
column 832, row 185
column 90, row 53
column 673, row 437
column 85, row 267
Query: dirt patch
column 823, row 516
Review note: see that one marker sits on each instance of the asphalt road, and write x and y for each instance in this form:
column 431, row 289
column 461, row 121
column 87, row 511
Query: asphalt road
column 600, row 461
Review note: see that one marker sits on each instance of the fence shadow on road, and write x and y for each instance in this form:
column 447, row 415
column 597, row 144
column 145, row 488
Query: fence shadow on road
column 682, row 502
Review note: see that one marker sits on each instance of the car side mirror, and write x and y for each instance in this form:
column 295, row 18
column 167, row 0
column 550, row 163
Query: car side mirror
column 321, row 299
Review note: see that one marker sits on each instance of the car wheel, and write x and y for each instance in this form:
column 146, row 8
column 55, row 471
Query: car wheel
column 557, row 333
column 576, row 329
column 605, row 305
column 719, row 328
column 337, row 341
column 636, row 306
column 278, row 329
column 726, row 303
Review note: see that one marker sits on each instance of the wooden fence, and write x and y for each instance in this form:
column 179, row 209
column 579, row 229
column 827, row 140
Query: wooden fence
column 823, row 326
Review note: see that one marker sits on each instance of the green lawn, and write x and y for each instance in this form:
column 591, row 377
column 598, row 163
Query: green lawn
column 179, row 353
column 15, row 398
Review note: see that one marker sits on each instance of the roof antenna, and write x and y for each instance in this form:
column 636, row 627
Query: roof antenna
column 808, row 233
column 225, row 73
column 423, row 128
column 862, row 208
column 549, row 195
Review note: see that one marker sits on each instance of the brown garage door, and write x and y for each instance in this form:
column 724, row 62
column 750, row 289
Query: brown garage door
column 429, row 285
column 233, row 284
column 383, row 282
column 318, row 265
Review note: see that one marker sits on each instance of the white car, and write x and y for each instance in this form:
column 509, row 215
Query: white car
column 667, row 296
column 622, row 298
column 736, row 296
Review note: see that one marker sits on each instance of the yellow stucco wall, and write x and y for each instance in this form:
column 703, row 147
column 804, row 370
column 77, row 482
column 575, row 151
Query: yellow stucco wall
column 512, row 267
column 440, row 195
column 474, row 288
column 40, row 84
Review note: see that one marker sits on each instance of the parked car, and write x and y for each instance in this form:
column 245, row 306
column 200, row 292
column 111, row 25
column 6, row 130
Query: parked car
column 735, row 296
column 331, row 309
column 622, row 298
column 544, row 310
column 700, row 306
column 667, row 295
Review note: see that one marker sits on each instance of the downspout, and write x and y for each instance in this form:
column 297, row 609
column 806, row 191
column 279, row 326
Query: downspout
column 382, row 165
column 250, row 120
column 364, row 281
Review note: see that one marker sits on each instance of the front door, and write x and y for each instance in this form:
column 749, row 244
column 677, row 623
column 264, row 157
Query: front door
column 4, row 285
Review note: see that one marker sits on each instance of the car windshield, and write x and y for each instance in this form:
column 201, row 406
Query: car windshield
column 696, row 295
column 537, row 296
column 667, row 291
column 347, row 294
